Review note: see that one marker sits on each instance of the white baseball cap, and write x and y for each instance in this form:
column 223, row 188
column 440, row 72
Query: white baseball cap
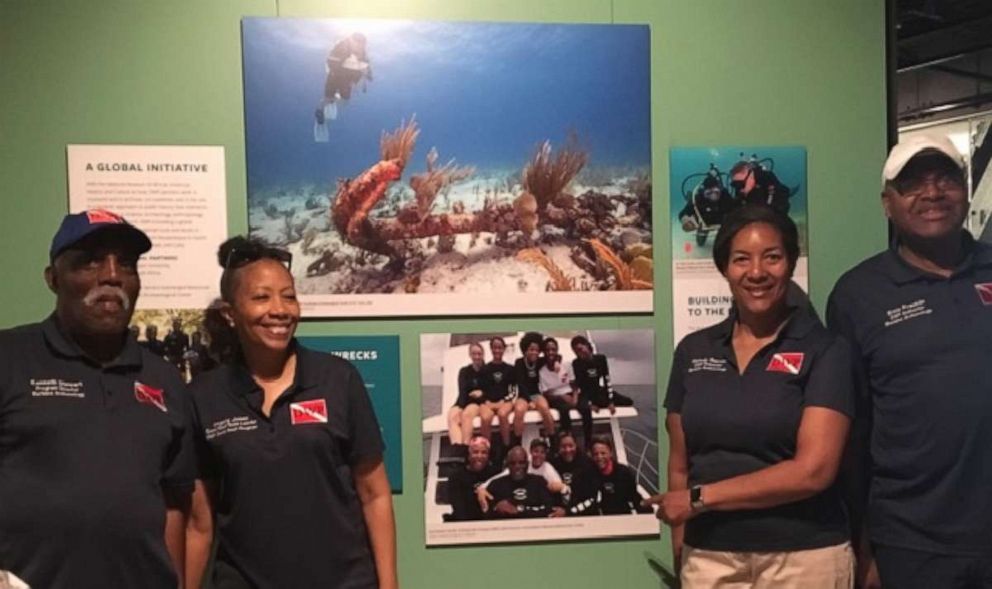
column 914, row 145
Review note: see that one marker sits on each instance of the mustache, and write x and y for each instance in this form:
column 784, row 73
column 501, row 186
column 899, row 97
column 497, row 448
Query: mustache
column 107, row 291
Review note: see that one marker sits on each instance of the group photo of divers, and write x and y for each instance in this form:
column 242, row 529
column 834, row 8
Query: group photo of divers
column 711, row 195
column 529, row 425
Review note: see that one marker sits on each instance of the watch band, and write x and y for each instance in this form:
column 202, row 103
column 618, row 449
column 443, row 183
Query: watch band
column 696, row 498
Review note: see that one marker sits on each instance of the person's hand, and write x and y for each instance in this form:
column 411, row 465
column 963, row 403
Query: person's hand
column 594, row 408
column 504, row 507
column 572, row 400
column 557, row 512
column 866, row 572
column 484, row 497
column 674, row 507
column 689, row 224
column 613, row 409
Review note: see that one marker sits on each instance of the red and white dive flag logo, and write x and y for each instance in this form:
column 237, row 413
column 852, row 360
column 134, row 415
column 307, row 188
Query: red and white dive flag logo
column 788, row 362
column 102, row 216
column 985, row 292
column 308, row 412
column 150, row 395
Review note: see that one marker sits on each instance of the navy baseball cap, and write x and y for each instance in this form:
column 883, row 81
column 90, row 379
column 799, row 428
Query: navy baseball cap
column 76, row 226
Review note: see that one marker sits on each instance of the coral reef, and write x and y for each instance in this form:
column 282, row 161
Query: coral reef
column 427, row 185
column 605, row 231
column 525, row 206
column 399, row 144
column 355, row 198
column 623, row 273
column 547, row 175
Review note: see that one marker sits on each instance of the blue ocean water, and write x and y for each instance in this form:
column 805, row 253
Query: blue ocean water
column 485, row 94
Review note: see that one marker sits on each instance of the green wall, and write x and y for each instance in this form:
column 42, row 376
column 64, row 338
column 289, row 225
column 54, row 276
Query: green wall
column 764, row 72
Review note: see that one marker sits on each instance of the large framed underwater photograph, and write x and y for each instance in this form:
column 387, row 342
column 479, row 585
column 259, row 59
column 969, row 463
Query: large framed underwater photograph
column 429, row 168
column 705, row 184
column 496, row 409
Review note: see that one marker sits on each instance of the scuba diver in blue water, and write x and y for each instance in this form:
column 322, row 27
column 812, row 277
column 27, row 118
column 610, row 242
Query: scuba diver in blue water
column 706, row 204
column 754, row 181
column 347, row 64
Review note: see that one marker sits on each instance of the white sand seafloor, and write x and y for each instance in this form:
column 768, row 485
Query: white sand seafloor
column 474, row 264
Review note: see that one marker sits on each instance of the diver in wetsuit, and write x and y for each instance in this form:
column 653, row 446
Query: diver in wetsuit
column 347, row 64
column 752, row 183
column 707, row 205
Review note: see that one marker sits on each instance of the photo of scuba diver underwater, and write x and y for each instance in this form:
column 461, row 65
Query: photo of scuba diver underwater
column 347, row 65
column 707, row 183
column 532, row 436
column 484, row 168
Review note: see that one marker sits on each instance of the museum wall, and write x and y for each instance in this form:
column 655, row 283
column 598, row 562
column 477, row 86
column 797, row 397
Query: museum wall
column 764, row 72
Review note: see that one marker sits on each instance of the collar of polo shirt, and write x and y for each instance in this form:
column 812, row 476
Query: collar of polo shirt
column 130, row 355
column 800, row 322
column 306, row 376
column 902, row 272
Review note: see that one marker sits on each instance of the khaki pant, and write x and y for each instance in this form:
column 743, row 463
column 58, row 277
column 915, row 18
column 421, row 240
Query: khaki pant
column 821, row 568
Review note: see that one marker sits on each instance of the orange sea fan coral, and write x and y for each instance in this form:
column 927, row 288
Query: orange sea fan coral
column 559, row 282
column 623, row 273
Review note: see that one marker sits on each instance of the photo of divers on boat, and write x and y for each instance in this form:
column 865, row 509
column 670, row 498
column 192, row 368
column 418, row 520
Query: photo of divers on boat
column 538, row 435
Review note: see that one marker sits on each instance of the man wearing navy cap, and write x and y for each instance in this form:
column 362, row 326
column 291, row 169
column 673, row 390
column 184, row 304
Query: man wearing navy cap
column 95, row 457
column 919, row 315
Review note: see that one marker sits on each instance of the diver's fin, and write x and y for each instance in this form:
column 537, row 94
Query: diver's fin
column 330, row 111
column 320, row 132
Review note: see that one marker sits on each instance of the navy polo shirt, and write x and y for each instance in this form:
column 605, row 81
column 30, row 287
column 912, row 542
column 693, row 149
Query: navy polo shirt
column 736, row 424
column 85, row 453
column 288, row 514
column 925, row 348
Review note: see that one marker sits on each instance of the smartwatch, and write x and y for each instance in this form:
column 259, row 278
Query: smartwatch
column 696, row 498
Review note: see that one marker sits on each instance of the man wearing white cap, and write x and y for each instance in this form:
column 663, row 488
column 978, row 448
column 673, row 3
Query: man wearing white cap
column 920, row 317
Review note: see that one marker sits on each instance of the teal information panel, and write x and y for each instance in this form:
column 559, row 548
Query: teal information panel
column 378, row 360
